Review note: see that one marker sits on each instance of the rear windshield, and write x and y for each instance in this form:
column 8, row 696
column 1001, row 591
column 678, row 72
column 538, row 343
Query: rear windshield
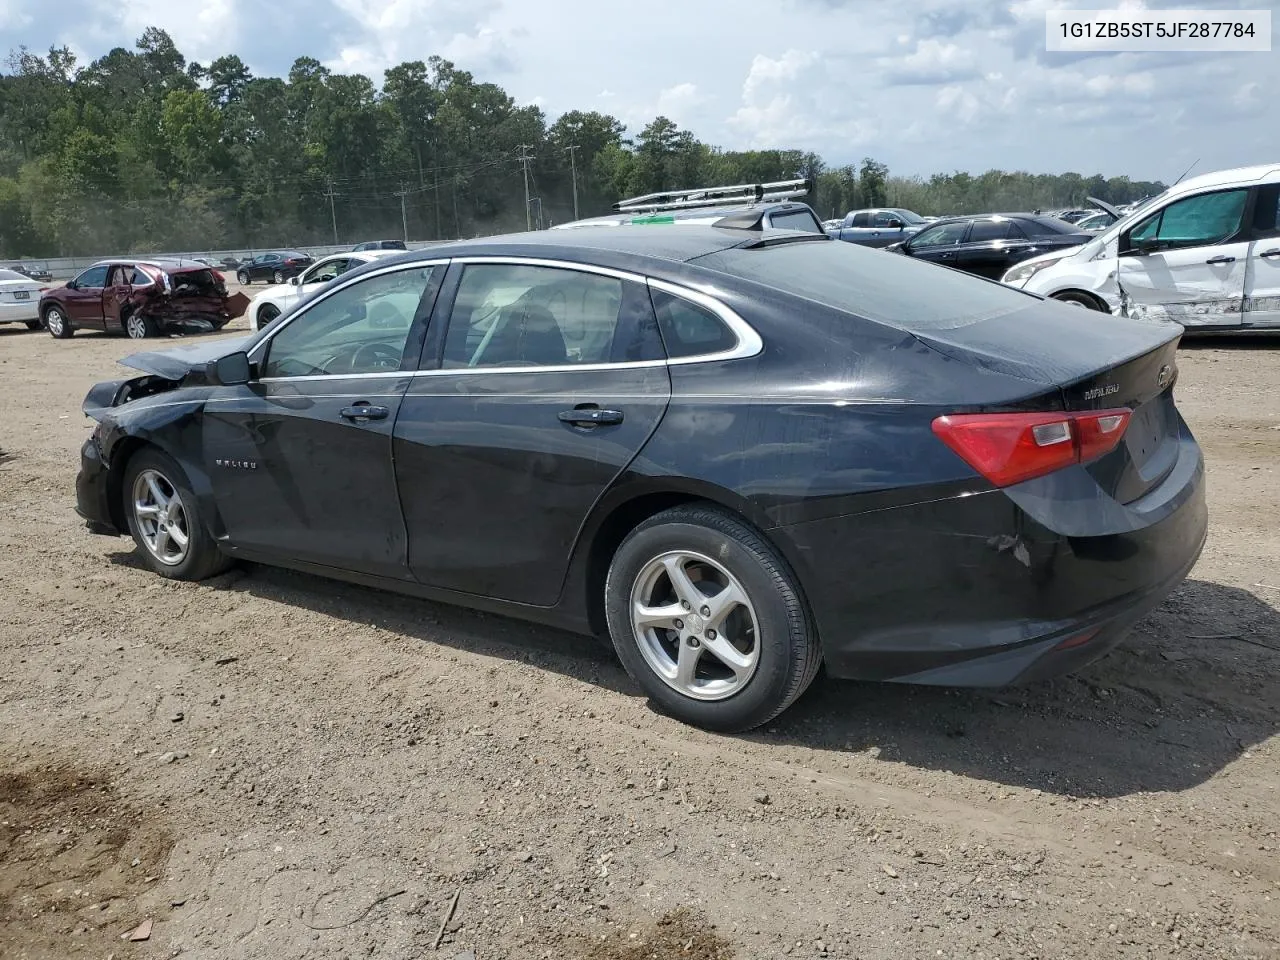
column 876, row 284
column 13, row 275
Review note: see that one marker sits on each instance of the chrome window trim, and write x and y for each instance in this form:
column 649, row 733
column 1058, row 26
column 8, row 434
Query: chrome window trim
column 749, row 343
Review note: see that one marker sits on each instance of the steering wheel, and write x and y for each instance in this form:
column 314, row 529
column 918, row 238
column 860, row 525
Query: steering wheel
column 380, row 356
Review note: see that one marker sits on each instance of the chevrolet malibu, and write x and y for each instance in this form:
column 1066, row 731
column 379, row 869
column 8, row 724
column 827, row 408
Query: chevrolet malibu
column 742, row 454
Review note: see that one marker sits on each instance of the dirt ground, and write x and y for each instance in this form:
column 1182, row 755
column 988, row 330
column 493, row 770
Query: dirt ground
column 272, row 765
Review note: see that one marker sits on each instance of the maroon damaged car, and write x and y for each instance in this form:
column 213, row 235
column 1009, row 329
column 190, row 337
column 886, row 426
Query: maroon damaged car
column 141, row 298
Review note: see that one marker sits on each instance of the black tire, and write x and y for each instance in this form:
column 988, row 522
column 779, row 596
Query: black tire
column 1077, row 298
column 202, row 559
column 140, row 328
column 58, row 323
column 243, row 279
column 789, row 654
column 266, row 313
column 277, row 278
column 34, row 324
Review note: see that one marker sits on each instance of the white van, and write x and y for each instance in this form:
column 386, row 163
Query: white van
column 1205, row 254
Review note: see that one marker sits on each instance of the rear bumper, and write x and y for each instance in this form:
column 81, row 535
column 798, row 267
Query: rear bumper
column 20, row 312
column 92, row 492
column 973, row 591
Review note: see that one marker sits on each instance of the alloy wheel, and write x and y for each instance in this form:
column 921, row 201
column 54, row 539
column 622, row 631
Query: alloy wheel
column 278, row 277
column 161, row 517
column 55, row 321
column 695, row 625
column 136, row 327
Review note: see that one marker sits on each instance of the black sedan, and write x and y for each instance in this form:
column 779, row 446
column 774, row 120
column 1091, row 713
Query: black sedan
column 989, row 245
column 274, row 267
column 739, row 453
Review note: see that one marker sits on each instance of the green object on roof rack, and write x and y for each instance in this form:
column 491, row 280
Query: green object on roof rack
column 653, row 218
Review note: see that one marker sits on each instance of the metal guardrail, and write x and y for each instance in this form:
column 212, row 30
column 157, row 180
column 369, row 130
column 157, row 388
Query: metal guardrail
column 64, row 268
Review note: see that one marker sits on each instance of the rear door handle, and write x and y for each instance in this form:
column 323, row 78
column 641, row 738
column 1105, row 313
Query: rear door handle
column 1270, row 254
column 1216, row 260
column 590, row 416
column 362, row 410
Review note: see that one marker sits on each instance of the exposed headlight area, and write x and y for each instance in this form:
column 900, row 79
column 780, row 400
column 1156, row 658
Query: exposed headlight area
column 1025, row 271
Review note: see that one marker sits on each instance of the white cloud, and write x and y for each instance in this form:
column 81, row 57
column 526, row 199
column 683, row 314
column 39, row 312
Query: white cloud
column 797, row 100
column 932, row 62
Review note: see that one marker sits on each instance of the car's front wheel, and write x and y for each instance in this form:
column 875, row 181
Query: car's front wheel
column 57, row 323
column 266, row 313
column 1076, row 298
column 164, row 519
column 277, row 277
column 707, row 619
column 243, row 279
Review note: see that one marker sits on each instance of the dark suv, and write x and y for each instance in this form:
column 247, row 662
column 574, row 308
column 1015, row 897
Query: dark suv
column 274, row 267
column 770, row 205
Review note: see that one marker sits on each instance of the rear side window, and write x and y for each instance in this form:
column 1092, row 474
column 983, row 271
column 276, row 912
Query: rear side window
column 986, row 230
column 513, row 315
column 861, row 220
column 689, row 330
column 1266, row 214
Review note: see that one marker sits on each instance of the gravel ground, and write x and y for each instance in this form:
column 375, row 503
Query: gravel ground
column 273, row 765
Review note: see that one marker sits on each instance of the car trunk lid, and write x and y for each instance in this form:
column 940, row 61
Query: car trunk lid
column 1086, row 361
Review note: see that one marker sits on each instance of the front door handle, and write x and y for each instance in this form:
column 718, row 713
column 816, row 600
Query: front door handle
column 362, row 410
column 1270, row 254
column 1217, row 260
column 590, row 416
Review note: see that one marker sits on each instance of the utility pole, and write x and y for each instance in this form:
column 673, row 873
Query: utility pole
column 333, row 212
column 573, row 169
column 524, row 161
column 404, row 216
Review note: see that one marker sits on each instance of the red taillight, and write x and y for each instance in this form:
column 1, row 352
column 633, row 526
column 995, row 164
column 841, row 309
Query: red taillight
column 1008, row 448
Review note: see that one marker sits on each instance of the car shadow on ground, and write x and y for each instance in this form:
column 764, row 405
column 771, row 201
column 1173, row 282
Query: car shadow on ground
column 1231, row 341
column 1194, row 687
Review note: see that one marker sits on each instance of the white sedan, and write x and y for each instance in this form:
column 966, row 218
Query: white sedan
column 273, row 301
column 20, row 299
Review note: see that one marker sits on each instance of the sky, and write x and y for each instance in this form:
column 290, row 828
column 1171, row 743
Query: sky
column 925, row 86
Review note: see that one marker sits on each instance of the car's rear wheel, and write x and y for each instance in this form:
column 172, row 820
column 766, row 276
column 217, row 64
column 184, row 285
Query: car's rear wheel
column 140, row 327
column 708, row 620
column 34, row 324
column 277, row 277
column 57, row 323
column 243, row 279
column 1077, row 298
column 164, row 520
column 266, row 313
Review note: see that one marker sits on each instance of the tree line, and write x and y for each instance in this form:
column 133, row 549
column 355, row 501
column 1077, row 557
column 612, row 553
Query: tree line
column 143, row 151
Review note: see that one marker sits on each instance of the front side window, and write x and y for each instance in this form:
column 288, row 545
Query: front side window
column 93, row 277
column 885, row 217
column 514, row 315
column 362, row 328
column 943, row 235
column 324, row 271
column 1198, row 221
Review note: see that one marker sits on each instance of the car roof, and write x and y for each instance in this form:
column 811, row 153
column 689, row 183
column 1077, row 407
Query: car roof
column 160, row 263
column 1268, row 173
column 607, row 247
